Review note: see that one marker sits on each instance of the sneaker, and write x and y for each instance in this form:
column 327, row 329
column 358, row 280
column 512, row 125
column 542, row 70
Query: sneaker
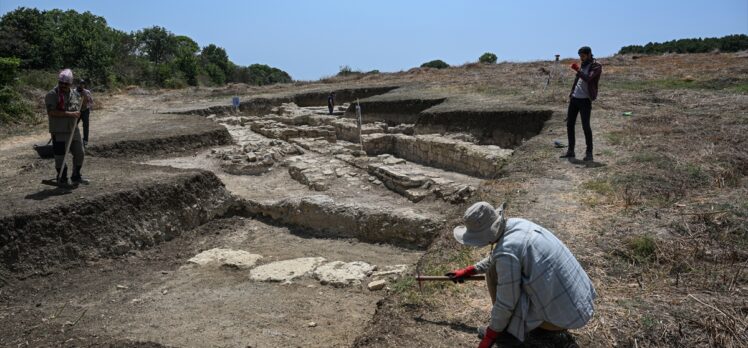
column 568, row 155
column 587, row 157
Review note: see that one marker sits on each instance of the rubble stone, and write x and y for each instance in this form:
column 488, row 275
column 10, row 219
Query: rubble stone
column 377, row 285
column 341, row 274
column 226, row 258
column 285, row 271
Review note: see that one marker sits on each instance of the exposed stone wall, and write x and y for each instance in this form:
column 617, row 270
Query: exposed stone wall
column 325, row 217
column 393, row 112
column 278, row 130
column 341, row 95
column 346, row 129
column 502, row 128
column 432, row 150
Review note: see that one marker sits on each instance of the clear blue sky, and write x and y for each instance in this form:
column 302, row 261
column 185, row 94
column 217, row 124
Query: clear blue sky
column 311, row 39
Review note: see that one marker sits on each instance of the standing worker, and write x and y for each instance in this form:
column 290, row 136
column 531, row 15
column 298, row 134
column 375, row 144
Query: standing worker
column 63, row 110
column 583, row 93
column 533, row 279
column 331, row 102
column 86, row 110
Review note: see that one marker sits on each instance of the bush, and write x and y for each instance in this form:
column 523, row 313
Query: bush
column 437, row 63
column 488, row 58
column 8, row 70
column 13, row 109
column 175, row 83
column 38, row 79
column 346, row 70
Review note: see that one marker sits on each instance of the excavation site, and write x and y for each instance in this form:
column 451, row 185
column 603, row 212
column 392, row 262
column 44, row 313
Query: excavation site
column 274, row 223
column 246, row 216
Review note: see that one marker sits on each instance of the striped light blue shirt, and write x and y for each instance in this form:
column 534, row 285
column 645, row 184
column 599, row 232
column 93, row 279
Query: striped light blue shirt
column 539, row 280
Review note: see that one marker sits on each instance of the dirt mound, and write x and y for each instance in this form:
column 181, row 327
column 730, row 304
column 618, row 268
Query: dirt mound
column 134, row 135
column 111, row 216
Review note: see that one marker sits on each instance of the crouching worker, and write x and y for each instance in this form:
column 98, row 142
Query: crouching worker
column 533, row 279
column 63, row 110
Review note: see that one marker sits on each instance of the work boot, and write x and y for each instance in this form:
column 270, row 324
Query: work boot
column 76, row 178
column 62, row 179
column 569, row 154
column 587, row 156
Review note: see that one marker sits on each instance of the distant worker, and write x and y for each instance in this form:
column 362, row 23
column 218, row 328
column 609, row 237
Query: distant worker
column 583, row 93
column 86, row 112
column 331, row 102
column 63, row 110
column 534, row 281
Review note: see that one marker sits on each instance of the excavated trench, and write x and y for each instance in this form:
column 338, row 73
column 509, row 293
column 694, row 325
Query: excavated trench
column 286, row 233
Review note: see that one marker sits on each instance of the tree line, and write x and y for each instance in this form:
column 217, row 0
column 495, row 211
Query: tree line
column 54, row 39
column 729, row 43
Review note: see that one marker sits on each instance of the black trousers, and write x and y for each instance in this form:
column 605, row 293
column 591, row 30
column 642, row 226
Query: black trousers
column 84, row 118
column 583, row 107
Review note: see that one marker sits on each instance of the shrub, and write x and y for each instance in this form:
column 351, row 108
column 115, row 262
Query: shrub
column 175, row 83
column 13, row 109
column 643, row 248
column 488, row 58
column 8, row 70
column 437, row 63
column 38, row 79
column 346, row 70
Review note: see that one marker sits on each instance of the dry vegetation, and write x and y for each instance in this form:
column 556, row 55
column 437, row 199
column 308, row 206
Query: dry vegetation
column 660, row 222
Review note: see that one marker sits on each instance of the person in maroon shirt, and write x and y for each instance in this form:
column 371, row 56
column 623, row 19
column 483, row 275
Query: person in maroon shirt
column 583, row 92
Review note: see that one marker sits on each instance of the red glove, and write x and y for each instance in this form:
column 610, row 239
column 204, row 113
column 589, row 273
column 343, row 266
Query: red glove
column 459, row 275
column 575, row 67
column 489, row 338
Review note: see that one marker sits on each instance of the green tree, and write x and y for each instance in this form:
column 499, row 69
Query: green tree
column 156, row 43
column 215, row 73
column 488, row 58
column 21, row 36
column 215, row 63
column 729, row 43
column 186, row 58
column 261, row 74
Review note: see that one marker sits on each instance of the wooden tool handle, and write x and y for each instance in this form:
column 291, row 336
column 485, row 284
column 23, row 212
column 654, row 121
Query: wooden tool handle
column 445, row 278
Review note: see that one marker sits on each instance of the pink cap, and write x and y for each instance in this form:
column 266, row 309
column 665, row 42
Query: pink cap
column 65, row 76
